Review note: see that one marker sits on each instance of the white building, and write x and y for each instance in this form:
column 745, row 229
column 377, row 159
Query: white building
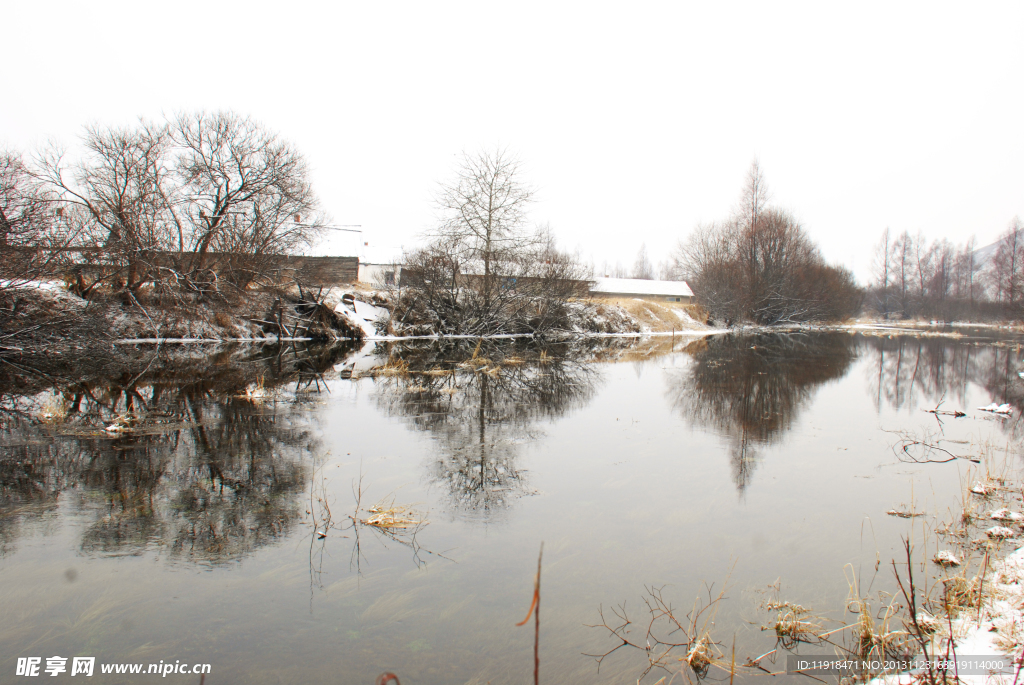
column 663, row 291
column 380, row 265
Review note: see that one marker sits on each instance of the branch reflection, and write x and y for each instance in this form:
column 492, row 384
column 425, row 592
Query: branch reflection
column 907, row 372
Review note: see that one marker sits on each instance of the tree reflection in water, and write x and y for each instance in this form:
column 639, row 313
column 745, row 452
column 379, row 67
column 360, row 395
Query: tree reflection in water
column 750, row 388
column 909, row 371
column 480, row 404
column 192, row 463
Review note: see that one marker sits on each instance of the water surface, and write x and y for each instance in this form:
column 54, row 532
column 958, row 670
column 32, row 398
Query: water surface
column 736, row 461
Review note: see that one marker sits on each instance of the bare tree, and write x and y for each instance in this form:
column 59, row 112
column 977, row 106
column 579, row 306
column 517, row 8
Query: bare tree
column 755, row 197
column 761, row 266
column 922, row 262
column 205, row 200
column 246, row 195
column 966, row 270
column 937, row 279
column 118, row 194
column 484, row 211
column 31, row 224
column 882, row 267
column 903, row 270
column 484, row 271
column 642, row 267
column 710, row 257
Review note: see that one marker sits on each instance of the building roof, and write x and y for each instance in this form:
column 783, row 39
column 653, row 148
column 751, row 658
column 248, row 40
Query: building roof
column 640, row 286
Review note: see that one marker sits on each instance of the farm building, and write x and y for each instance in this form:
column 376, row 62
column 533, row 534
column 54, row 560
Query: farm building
column 380, row 265
column 661, row 291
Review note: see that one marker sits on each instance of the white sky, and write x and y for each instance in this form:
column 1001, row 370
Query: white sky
column 634, row 121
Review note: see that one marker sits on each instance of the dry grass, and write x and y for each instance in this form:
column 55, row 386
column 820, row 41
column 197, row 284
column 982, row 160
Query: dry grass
column 660, row 316
column 54, row 408
column 394, row 367
column 391, row 517
column 256, row 392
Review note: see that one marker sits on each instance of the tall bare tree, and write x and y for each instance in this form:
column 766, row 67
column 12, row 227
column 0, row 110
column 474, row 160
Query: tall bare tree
column 755, row 197
column 882, row 270
column 761, row 266
column 246, row 193
column 484, row 211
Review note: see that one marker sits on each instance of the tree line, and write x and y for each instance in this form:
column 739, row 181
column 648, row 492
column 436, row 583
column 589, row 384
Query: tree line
column 913, row 276
column 195, row 205
column 201, row 204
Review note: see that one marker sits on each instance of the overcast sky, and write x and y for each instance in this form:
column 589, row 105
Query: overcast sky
column 634, row 120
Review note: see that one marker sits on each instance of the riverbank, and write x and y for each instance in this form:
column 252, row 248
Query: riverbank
column 44, row 316
column 978, row 617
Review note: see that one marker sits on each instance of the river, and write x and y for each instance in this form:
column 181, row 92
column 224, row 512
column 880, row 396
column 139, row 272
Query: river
column 198, row 505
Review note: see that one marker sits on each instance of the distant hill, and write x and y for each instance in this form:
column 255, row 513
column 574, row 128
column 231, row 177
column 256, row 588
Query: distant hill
column 983, row 255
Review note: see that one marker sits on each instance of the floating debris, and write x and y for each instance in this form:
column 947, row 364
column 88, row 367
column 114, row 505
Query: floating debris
column 795, row 608
column 1005, row 514
column 979, row 489
column 391, row 517
column 1002, row 409
column 903, row 513
column 700, row 656
column 1000, row 533
column 946, row 558
column 321, row 534
column 121, row 424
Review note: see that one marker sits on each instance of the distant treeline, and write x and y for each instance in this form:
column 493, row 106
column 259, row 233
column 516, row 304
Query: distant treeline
column 913, row 277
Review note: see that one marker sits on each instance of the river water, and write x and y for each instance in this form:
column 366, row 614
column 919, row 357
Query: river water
column 211, row 506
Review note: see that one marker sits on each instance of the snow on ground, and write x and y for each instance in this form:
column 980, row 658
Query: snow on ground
column 683, row 316
column 362, row 315
column 997, row 632
column 32, row 285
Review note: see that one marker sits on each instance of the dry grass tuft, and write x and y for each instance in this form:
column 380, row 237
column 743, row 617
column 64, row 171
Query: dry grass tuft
column 394, row 367
column 700, row 657
column 391, row 517
column 959, row 593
